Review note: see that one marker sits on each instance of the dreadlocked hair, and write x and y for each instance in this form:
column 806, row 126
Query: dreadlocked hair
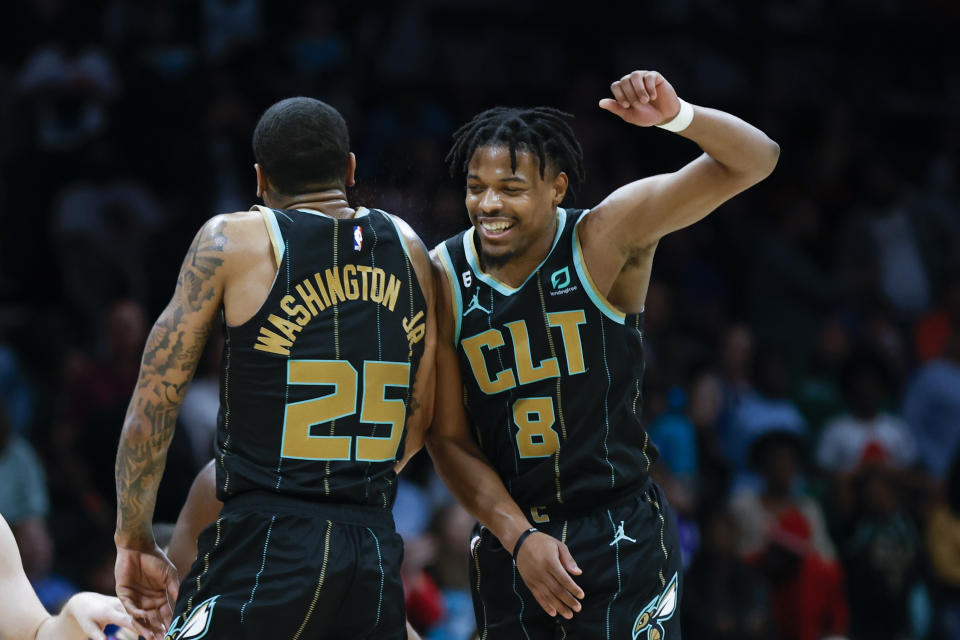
column 542, row 131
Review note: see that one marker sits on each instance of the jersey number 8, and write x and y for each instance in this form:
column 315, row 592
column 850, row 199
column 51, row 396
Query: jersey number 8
column 375, row 408
column 536, row 437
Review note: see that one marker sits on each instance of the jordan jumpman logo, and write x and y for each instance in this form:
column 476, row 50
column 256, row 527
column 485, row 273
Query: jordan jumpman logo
column 475, row 305
column 620, row 535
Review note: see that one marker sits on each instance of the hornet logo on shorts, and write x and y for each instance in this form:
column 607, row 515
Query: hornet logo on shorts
column 196, row 624
column 660, row 609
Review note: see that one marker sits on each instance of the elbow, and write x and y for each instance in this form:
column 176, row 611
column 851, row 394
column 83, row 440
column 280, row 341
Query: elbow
column 768, row 158
column 756, row 164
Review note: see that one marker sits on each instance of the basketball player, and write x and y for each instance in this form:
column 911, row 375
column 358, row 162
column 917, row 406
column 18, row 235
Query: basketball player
column 23, row 616
column 328, row 361
column 541, row 342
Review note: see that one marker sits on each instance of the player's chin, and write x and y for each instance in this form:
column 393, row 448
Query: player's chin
column 497, row 255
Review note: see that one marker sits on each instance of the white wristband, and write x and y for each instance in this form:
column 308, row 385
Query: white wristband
column 680, row 121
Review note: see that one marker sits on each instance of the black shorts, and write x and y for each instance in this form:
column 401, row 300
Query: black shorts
column 632, row 577
column 277, row 567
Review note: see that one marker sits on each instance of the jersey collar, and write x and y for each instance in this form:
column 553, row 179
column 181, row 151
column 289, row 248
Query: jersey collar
column 360, row 212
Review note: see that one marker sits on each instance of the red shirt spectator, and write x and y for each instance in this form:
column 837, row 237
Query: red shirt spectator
column 809, row 598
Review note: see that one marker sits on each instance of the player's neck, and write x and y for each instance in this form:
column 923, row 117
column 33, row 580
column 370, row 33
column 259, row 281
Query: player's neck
column 330, row 202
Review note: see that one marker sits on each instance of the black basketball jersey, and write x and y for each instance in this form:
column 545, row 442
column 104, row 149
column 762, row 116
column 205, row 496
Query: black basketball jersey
column 551, row 375
column 314, row 389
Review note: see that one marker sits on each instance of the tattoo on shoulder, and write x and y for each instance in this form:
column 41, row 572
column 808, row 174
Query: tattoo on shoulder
column 203, row 260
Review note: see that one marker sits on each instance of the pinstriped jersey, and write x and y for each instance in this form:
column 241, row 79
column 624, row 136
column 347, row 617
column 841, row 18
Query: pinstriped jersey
column 551, row 375
column 315, row 388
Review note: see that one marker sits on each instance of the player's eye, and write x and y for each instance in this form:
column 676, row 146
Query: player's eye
column 474, row 188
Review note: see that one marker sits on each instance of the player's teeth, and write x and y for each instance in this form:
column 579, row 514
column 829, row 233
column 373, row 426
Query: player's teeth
column 496, row 226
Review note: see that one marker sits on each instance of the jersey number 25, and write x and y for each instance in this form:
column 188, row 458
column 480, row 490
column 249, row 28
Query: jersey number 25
column 375, row 408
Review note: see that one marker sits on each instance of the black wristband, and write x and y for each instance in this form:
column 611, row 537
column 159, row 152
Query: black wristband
column 523, row 536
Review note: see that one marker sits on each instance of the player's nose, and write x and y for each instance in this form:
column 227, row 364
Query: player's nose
column 490, row 202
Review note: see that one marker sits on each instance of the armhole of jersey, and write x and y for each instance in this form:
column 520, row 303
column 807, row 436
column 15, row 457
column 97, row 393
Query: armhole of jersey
column 589, row 285
column 456, row 302
column 273, row 230
column 403, row 239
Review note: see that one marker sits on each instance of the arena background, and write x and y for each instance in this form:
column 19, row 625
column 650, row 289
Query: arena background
column 810, row 327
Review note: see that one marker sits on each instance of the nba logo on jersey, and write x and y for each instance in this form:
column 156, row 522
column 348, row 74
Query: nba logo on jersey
column 357, row 238
column 467, row 278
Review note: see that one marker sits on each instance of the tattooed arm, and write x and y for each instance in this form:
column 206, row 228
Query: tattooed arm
column 146, row 580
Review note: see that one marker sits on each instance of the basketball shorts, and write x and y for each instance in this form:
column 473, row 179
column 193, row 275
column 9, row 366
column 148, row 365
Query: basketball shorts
column 273, row 566
column 632, row 576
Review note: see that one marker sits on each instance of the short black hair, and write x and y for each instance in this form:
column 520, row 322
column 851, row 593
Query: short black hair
column 759, row 450
column 865, row 361
column 542, row 131
column 302, row 144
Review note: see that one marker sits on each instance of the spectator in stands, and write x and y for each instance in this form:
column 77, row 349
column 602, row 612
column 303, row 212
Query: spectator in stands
column 723, row 599
column 766, row 410
column 943, row 548
column 866, row 430
column 24, row 502
column 808, row 595
column 881, row 554
column 777, row 456
column 932, row 408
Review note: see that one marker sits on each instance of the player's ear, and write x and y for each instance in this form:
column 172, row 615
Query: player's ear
column 351, row 170
column 559, row 188
column 262, row 184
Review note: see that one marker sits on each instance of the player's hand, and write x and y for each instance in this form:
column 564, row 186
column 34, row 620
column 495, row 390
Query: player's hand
column 545, row 564
column 643, row 98
column 86, row 614
column 147, row 584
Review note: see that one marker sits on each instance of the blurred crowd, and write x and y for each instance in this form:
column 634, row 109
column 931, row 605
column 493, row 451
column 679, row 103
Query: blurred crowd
column 802, row 343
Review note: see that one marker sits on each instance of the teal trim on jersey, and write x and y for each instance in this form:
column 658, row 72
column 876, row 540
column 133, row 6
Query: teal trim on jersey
column 589, row 286
column 382, row 398
column 403, row 239
column 263, row 564
column 470, row 251
column 457, row 299
column 376, row 541
column 360, row 212
column 336, row 390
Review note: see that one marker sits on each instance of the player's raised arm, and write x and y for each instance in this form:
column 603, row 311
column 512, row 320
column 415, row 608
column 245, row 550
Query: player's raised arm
column 421, row 405
column 146, row 579
column 544, row 563
column 736, row 156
